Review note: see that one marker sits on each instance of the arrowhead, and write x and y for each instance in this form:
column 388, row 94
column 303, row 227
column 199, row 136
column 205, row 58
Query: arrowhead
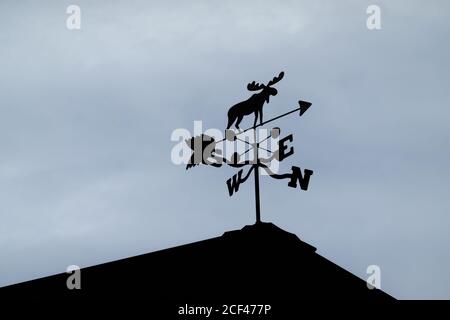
column 304, row 105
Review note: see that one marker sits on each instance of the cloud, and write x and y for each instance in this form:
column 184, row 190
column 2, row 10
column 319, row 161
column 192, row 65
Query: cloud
column 86, row 118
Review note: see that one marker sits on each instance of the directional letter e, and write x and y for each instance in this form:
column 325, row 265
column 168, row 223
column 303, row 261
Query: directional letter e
column 74, row 280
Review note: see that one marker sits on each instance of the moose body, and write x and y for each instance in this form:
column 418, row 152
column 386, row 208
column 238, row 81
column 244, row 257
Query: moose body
column 254, row 104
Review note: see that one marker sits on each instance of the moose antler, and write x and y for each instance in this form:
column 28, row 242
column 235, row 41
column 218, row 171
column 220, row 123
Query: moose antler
column 255, row 86
column 276, row 79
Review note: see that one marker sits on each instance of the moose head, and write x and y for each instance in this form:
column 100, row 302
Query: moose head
column 267, row 90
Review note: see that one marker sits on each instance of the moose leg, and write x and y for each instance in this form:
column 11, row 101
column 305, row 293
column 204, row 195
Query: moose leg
column 239, row 119
column 256, row 118
column 260, row 117
column 230, row 121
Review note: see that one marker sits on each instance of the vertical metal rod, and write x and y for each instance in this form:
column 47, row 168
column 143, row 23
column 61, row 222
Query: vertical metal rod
column 256, row 167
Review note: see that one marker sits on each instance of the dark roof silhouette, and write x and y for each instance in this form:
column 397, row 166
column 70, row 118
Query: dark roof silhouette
column 260, row 261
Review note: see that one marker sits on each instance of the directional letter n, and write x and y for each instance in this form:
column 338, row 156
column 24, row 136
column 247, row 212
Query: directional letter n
column 302, row 179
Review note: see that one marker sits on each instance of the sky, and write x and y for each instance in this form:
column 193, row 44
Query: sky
column 86, row 118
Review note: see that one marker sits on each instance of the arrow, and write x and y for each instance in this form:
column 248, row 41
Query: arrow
column 303, row 106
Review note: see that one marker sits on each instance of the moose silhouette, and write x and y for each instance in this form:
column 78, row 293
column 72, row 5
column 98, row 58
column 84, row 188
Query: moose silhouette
column 254, row 104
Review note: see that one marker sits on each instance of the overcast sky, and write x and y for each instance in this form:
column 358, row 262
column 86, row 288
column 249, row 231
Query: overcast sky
column 86, row 118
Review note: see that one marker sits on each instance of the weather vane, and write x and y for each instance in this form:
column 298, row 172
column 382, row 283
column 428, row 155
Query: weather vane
column 204, row 146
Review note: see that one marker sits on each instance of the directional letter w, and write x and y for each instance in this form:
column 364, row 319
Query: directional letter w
column 234, row 182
